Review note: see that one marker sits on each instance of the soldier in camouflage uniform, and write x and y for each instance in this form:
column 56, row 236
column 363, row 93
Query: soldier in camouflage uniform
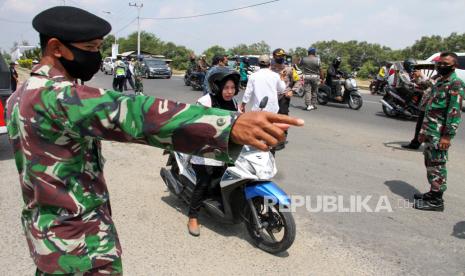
column 442, row 118
column 56, row 126
column 138, row 72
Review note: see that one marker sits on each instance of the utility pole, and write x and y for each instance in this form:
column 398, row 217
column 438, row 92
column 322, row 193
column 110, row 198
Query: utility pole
column 138, row 6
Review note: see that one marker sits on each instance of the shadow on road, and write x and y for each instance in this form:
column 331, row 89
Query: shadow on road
column 6, row 152
column 398, row 118
column 459, row 230
column 401, row 188
column 227, row 230
column 397, row 145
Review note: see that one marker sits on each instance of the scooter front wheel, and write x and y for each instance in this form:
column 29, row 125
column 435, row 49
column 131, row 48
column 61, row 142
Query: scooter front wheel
column 355, row 102
column 278, row 231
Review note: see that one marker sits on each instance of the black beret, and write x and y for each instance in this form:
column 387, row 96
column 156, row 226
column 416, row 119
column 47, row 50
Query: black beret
column 70, row 24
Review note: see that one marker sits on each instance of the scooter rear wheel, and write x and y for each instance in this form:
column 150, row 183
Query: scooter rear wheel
column 278, row 232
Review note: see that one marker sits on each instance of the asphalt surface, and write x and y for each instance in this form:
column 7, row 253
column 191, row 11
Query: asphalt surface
column 357, row 153
column 339, row 152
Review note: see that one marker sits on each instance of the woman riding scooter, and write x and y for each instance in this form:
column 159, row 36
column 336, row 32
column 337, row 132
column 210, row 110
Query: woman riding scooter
column 224, row 86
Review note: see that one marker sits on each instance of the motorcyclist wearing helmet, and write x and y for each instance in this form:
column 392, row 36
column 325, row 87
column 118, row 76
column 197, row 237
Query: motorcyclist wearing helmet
column 284, row 99
column 224, row 86
column 202, row 67
column 333, row 78
column 219, row 63
column 402, row 81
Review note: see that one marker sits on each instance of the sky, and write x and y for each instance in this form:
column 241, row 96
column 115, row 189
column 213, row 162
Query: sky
column 285, row 24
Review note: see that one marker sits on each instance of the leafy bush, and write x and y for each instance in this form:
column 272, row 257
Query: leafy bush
column 25, row 63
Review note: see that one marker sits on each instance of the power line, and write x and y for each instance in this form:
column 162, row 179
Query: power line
column 210, row 13
column 125, row 26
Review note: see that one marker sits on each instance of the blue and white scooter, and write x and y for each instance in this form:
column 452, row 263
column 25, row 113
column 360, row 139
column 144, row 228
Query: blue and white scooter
column 243, row 194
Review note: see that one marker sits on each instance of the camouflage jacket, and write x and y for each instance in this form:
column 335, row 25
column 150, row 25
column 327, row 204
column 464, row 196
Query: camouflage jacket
column 138, row 69
column 442, row 113
column 55, row 128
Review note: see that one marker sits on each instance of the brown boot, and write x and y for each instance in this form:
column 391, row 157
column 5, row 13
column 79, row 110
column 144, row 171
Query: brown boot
column 193, row 227
column 338, row 98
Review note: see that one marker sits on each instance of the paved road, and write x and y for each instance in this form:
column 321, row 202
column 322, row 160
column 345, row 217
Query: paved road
column 341, row 152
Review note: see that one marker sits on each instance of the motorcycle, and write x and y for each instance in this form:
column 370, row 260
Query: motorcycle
column 394, row 104
column 380, row 84
column 195, row 81
column 244, row 195
column 351, row 95
column 187, row 77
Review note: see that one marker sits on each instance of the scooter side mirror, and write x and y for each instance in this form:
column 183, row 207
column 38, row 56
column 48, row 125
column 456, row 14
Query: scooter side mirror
column 263, row 102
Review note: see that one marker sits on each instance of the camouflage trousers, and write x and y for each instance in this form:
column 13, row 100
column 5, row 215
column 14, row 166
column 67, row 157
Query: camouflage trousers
column 435, row 162
column 114, row 268
column 311, row 83
column 139, row 86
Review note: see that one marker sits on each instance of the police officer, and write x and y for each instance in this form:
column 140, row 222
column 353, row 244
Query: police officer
column 284, row 99
column 442, row 118
column 311, row 69
column 55, row 127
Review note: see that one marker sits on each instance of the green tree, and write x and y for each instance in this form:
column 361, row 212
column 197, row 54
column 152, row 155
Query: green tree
column 259, row 48
column 214, row 50
column 106, row 45
column 241, row 49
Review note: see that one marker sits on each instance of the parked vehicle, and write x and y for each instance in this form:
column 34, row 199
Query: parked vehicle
column 5, row 91
column 2, row 120
column 5, row 85
column 243, row 194
column 108, row 65
column 156, row 68
column 351, row 95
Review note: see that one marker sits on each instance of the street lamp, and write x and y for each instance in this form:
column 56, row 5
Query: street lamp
column 109, row 13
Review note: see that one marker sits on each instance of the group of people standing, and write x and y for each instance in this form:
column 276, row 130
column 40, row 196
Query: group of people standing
column 128, row 71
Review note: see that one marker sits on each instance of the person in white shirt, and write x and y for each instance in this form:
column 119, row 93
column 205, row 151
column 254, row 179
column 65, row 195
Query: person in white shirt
column 264, row 83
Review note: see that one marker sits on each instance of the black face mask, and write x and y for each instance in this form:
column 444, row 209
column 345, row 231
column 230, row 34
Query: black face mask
column 445, row 70
column 84, row 65
column 279, row 60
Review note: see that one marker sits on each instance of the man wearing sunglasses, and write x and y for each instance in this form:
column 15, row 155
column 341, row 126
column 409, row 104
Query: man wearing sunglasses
column 442, row 118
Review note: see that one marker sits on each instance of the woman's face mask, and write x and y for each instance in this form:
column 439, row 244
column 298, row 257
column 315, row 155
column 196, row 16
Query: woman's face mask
column 84, row 65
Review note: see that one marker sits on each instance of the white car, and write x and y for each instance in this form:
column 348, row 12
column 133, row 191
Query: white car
column 108, row 65
column 461, row 67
